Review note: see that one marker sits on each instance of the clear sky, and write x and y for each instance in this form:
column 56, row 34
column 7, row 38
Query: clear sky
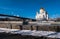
column 28, row 8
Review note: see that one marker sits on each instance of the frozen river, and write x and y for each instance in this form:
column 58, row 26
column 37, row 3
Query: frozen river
column 50, row 34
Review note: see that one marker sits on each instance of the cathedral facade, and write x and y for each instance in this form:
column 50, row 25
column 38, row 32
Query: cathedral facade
column 42, row 15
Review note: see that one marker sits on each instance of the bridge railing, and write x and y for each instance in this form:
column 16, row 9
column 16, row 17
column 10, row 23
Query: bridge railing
column 31, row 25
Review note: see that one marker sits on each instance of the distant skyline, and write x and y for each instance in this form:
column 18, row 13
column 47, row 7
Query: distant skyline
column 28, row 8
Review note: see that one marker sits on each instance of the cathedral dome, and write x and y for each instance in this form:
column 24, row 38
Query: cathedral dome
column 41, row 15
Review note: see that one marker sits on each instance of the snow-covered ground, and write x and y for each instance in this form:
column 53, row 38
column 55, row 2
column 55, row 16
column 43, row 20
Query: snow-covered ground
column 50, row 34
column 7, row 30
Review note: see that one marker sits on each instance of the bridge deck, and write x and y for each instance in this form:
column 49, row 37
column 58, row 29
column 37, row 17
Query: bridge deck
column 33, row 23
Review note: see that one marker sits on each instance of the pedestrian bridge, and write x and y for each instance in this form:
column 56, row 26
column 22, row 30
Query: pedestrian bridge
column 45, row 28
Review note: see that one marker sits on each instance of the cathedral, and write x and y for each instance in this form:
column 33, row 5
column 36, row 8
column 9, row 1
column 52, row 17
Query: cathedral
column 41, row 15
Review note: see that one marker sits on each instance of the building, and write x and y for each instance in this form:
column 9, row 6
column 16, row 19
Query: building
column 42, row 15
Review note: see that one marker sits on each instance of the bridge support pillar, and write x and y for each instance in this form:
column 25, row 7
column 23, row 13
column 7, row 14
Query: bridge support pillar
column 58, row 29
column 21, row 27
column 37, row 28
column 31, row 27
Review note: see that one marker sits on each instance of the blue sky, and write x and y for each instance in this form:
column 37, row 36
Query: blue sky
column 28, row 8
